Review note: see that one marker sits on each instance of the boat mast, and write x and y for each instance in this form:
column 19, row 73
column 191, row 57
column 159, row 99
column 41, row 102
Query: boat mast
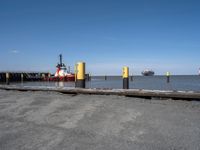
column 61, row 64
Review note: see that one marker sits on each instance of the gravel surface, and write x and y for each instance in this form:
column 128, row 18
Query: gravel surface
column 55, row 121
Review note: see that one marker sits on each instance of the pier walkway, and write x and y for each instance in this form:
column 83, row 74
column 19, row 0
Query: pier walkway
column 47, row 120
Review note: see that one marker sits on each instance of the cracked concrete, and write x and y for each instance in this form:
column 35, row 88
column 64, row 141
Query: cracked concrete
column 55, row 121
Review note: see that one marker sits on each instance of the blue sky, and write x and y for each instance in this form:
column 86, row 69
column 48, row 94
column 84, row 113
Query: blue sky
column 163, row 35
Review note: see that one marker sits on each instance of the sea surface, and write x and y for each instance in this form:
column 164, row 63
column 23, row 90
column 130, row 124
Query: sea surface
column 179, row 82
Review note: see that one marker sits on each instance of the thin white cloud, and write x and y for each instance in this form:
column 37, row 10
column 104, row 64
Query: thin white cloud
column 14, row 51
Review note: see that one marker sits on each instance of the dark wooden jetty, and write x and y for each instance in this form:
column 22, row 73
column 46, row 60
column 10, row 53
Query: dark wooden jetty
column 25, row 76
column 147, row 94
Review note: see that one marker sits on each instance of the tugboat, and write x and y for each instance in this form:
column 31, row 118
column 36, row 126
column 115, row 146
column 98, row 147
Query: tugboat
column 62, row 73
column 148, row 72
column 199, row 71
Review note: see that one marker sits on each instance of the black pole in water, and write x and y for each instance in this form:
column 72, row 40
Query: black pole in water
column 132, row 78
column 90, row 77
column 87, row 77
column 105, row 77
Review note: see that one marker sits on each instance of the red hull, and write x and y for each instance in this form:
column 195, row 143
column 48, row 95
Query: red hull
column 66, row 78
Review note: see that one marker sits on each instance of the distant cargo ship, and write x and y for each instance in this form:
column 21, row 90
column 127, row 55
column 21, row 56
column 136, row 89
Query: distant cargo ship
column 199, row 71
column 148, row 72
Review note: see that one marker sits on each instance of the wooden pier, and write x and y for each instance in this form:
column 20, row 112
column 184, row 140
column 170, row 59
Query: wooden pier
column 148, row 94
column 22, row 76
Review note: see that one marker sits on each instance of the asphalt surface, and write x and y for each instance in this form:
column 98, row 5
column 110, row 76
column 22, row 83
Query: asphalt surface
column 55, row 121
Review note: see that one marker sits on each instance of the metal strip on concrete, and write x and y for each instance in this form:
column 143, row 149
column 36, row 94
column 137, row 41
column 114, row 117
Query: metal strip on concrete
column 183, row 95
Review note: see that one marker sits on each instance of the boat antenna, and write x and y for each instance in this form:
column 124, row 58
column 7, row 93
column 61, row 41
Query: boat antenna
column 60, row 59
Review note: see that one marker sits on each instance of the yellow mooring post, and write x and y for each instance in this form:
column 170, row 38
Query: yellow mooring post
column 80, row 75
column 7, row 78
column 125, row 76
column 168, row 76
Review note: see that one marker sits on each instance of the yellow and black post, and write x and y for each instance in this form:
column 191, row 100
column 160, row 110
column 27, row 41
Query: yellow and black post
column 7, row 78
column 168, row 77
column 80, row 75
column 125, row 78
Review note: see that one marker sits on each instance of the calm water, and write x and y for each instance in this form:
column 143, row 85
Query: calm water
column 191, row 82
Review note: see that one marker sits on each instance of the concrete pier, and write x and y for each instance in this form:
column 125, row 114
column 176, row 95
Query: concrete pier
column 55, row 121
column 17, row 76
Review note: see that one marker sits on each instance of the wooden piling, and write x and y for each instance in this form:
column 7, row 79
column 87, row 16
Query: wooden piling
column 1, row 77
column 7, row 78
column 49, row 76
column 43, row 76
column 105, row 77
column 132, row 77
column 22, row 77
column 90, row 77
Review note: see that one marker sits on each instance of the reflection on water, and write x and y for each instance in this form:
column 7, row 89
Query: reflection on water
column 46, row 83
column 139, row 82
column 59, row 84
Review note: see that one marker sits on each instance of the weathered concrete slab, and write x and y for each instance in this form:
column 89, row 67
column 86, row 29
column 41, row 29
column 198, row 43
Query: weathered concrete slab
column 55, row 121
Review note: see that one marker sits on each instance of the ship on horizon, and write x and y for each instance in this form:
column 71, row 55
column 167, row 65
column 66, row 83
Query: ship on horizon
column 148, row 72
column 199, row 71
